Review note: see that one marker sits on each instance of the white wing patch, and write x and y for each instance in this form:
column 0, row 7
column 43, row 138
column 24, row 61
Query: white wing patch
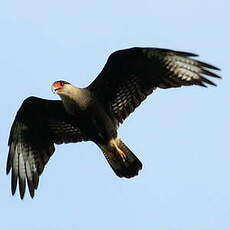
column 185, row 69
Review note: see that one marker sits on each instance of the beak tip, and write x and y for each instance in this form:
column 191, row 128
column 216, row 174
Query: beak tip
column 53, row 89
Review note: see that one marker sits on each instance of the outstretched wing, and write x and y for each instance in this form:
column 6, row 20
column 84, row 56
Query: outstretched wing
column 130, row 75
column 37, row 126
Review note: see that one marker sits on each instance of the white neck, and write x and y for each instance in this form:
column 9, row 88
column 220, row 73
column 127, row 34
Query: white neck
column 73, row 97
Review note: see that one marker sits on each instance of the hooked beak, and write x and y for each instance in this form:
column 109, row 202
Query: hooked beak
column 56, row 86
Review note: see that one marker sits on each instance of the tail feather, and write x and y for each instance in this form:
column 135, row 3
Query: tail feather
column 121, row 159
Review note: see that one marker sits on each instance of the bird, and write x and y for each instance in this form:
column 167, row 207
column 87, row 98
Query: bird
column 95, row 113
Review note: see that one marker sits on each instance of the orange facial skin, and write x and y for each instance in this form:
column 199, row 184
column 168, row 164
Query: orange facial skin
column 57, row 85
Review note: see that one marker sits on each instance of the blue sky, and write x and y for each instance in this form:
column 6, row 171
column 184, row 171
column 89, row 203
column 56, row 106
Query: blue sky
column 180, row 135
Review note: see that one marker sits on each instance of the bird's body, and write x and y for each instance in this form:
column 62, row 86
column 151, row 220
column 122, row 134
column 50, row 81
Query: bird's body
column 96, row 124
column 92, row 119
column 94, row 113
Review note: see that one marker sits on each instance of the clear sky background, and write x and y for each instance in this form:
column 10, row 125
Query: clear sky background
column 180, row 135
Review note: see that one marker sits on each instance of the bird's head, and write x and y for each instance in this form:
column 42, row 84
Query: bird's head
column 71, row 94
column 60, row 87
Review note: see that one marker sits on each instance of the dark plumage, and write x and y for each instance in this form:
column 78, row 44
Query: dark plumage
column 95, row 112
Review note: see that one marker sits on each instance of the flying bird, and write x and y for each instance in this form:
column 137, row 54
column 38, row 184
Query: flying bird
column 95, row 112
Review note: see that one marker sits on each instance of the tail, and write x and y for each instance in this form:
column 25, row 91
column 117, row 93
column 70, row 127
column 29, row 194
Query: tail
column 123, row 162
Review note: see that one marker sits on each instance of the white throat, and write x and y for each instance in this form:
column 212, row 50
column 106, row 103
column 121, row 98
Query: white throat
column 74, row 98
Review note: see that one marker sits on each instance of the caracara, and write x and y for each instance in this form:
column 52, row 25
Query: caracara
column 94, row 113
